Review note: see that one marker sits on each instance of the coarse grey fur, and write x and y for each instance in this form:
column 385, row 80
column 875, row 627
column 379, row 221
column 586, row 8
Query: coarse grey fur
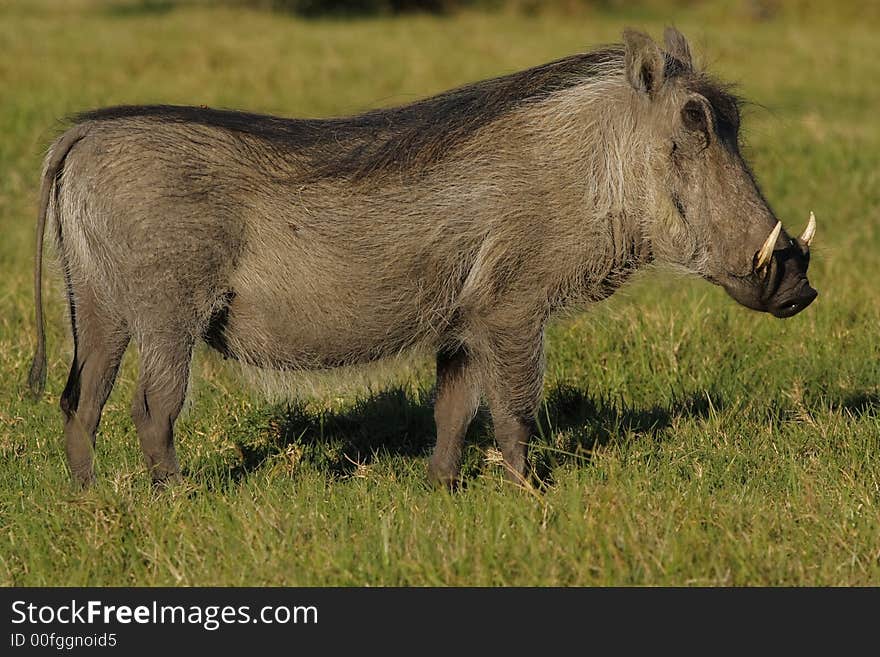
column 456, row 224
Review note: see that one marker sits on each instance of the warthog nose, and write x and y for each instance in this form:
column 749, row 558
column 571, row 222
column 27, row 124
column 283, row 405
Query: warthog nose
column 791, row 305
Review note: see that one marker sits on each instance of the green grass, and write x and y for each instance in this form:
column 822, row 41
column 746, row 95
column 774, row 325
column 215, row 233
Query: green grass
column 685, row 440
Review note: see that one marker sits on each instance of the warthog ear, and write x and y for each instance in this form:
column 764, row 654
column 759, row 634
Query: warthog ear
column 643, row 61
column 677, row 46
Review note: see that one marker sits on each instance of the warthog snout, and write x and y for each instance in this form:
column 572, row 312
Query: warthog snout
column 778, row 282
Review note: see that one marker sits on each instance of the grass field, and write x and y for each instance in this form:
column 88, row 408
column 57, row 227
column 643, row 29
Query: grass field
column 686, row 440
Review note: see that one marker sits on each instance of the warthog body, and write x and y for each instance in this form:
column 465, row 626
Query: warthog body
column 456, row 224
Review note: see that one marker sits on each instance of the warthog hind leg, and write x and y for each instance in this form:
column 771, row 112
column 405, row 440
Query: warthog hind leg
column 157, row 403
column 99, row 340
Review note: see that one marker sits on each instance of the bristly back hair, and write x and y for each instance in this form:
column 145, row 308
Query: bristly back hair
column 402, row 138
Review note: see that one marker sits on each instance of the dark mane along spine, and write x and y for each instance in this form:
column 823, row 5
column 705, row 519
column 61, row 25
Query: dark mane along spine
column 405, row 137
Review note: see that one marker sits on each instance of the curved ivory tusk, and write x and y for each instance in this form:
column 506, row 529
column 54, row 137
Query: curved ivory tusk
column 809, row 231
column 767, row 250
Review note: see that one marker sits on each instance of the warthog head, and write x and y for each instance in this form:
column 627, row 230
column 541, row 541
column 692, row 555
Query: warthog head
column 711, row 216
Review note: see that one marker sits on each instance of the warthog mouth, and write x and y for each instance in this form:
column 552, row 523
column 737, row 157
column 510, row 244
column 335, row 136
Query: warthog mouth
column 783, row 298
column 788, row 304
column 793, row 305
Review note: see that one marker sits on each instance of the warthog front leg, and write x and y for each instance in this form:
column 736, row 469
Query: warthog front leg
column 514, row 385
column 157, row 403
column 458, row 397
column 99, row 340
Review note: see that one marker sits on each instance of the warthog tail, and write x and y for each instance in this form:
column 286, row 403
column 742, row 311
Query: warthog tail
column 37, row 376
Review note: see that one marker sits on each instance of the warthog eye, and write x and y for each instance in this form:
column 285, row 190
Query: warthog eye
column 693, row 116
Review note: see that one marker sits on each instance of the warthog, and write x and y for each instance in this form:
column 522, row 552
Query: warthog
column 456, row 224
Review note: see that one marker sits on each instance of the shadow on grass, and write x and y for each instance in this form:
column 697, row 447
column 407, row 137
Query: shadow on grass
column 398, row 423
column 860, row 404
column 392, row 422
column 572, row 424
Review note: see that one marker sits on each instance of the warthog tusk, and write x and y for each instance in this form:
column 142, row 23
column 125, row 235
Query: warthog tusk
column 809, row 231
column 767, row 250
